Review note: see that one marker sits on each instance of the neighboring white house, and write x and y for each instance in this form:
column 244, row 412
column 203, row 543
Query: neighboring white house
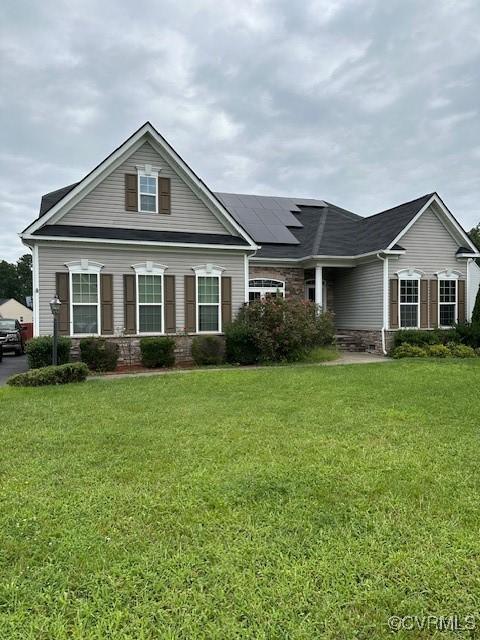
column 11, row 308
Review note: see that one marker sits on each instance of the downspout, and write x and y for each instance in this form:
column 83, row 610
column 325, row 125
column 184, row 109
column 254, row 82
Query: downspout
column 385, row 300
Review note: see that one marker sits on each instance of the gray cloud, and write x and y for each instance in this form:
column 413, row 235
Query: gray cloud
column 364, row 103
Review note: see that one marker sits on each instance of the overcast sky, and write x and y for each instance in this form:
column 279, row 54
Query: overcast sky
column 365, row 103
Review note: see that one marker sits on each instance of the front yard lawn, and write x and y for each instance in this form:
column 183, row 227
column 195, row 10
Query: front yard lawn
column 303, row 502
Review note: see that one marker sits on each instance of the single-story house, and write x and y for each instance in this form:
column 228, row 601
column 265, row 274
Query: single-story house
column 141, row 246
column 11, row 308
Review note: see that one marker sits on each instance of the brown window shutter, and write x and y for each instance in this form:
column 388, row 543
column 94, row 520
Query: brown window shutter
column 226, row 301
column 169, row 293
column 433, row 303
column 423, row 304
column 164, row 195
column 462, row 317
column 106, row 303
column 62, row 281
column 130, row 302
column 131, row 192
column 190, row 305
column 393, row 303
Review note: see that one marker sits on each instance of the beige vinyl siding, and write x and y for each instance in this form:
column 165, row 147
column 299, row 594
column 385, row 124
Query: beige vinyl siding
column 13, row 309
column 429, row 247
column 104, row 206
column 118, row 261
column 358, row 296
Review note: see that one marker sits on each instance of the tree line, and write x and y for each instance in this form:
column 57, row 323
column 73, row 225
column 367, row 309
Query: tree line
column 16, row 278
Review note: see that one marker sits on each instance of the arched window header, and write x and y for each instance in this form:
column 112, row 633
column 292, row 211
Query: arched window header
column 410, row 274
column 448, row 274
column 149, row 267
column 209, row 270
column 84, row 266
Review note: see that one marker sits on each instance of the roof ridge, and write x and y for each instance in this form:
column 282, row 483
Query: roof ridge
column 402, row 204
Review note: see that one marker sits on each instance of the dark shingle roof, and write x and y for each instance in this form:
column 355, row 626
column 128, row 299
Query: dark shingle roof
column 284, row 227
column 117, row 233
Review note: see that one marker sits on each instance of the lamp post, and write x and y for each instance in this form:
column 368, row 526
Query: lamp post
column 55, row 309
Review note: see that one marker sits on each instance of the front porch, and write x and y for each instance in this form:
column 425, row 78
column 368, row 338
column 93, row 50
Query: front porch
column 354, row 294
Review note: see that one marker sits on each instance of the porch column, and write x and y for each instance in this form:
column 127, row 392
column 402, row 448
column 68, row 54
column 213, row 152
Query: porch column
column 319, row 286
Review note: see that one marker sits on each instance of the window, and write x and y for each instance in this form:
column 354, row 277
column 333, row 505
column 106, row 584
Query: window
column 265, row 288
column 409, row 303
column 147, row 193
column 447, row 301
column 84, row 298
column 208, row 298
column 149, row 278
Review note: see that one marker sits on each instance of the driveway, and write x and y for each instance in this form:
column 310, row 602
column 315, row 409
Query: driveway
column 10, row 365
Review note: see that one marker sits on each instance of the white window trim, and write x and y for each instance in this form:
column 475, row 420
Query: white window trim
column 149, row 172
column 408, row 274
column 208, row 271
column 84, row 266
column 453, row 276
column 149, row 269
column 264, row 290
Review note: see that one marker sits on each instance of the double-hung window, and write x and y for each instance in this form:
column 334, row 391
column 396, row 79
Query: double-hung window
column 409, row 302
column 447, row 302
column 208, row 281
column 150, row 307
column 85, row 297
column 147, row 189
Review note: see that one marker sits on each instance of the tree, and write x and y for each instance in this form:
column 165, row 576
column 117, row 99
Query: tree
column 24, row 275
column 16, row 279
column 476, row 309
column 474, row 235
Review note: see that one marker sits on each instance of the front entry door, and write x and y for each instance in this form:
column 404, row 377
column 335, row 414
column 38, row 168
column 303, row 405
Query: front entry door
column 310, row 292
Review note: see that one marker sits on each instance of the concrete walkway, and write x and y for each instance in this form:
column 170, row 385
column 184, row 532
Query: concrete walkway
column 346, row 357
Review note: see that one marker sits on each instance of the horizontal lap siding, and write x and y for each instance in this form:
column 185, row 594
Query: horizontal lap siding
column 358, row 296
column 105, row 205
column 118, row 262
column 429, row 247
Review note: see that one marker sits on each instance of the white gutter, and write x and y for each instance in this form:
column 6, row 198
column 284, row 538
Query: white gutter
column 385, row 300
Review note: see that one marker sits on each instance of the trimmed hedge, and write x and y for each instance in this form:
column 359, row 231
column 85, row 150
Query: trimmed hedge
column 99, row 354
column 422, row 338
column 461, row 351
column 39, row 351
column 438, row 351
column 60, row 374
column 240, row 346
column 157, row 352
column 406, row 350
column 208, row 350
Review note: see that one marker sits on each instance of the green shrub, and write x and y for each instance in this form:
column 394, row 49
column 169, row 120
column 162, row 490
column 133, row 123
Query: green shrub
column 423, row 338
column 240, row 346
column 476, row 310
column 285, row 329
column 468, row 333
column 99, row 354
column 461, row 350
column 208, row 350
column 39, row 351
column 157, row 352
column 60, row 374
column 438, row 351
column 406, row 350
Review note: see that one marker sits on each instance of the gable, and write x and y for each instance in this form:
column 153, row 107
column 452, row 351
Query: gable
column 104, row 206
column 429, row 246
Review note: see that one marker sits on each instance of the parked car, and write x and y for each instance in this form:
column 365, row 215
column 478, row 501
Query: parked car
column 1, row 352
column 11, row 336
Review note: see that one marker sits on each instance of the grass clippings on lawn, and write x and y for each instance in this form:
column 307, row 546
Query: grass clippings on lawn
column 297, row 503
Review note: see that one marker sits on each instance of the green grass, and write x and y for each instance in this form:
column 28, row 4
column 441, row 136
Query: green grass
column 303, row 502
column 322, row 354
